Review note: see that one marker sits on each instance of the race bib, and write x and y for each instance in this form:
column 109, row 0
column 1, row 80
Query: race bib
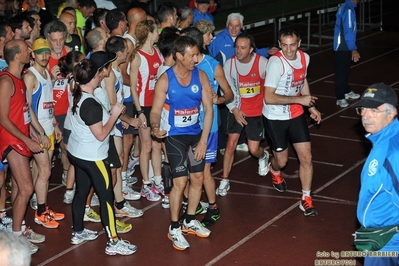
column 27, row 118
column 186, row 117
column 60, row 84
column 48, row 108
column 249, row 92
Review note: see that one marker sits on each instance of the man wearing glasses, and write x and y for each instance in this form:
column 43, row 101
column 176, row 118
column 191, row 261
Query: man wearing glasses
column 378, row 204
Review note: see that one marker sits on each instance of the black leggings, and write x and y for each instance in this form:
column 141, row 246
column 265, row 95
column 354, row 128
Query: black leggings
column 98, row 175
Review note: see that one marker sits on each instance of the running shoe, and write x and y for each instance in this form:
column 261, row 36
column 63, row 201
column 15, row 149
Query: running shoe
column 64, row 178
column 33, row 201
column 278, row 181
column 133, row 161
column 342, row 103
column 263, row 164
column 122, row 227
column 148, row 192
column 306, row 206
column 195, row 228
column 242, row 147
column 131, row 180
column 212, row 215
column 159, row 189
column 91, row 216
column 223, row 187
column 128, row 211
column 94, row 200
column 46, row 220
column 179, row 242
column 4, row 226
column 85, row 235
column 33, row 248
column 6, row 220
column 121, row 247
column 201, row 208
column 351, row 95
column 165, row 202
column 68, row 196
column 130, row 194
column 56, row 215
column 32, row 236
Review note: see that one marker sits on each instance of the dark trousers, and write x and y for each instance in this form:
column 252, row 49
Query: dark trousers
column 342, row 64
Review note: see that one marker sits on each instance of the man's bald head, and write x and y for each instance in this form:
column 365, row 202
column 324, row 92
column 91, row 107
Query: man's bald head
column 14, row 47
column 135, row 15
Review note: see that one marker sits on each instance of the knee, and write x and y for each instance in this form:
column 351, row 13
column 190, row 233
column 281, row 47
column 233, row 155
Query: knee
column 306, row 160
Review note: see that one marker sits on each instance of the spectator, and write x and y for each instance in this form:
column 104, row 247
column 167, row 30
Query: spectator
column 186, row 17
column 345, row 51
column 201, row 11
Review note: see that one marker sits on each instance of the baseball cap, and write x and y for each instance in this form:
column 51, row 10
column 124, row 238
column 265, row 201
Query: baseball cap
column 202, row 1
column 376, row 95
column 102, row 58
column 40, row 46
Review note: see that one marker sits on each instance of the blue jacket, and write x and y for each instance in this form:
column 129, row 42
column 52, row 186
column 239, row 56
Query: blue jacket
column 345, row 28
column 223, row 43
column 378, row 204
column 198, row 16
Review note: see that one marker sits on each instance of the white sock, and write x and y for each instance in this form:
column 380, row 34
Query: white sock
column 157, row 179
column 87, row 208
column 23, row 226
column 17, row 233
column 123, row 175
column 305, row 193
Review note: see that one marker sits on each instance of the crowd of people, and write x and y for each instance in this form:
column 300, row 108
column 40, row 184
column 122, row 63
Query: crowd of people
column 114, row 90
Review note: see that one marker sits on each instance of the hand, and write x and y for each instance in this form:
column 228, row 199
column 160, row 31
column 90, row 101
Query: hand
column 272, row 50
column 136, row 123
column 58, row 134
column 315, row 114
column 117, row 109
column 214, row 98
column 45, row 142
column 308, row 100
column 200, row 151
column 55, row 71
column 34, row 146
column 240, row 117
column 143, row 120
column 160, row 134
column 125, row 125
column 355, row 56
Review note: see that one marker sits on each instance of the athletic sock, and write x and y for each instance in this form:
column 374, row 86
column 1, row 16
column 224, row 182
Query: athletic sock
column 305, row 193
column 120, row 205
column 41, row 208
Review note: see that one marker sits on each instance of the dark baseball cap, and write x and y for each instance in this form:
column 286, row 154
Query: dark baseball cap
column 376, row 95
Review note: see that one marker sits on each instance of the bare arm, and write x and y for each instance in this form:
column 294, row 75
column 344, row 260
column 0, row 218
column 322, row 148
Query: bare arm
column 101, row 131
column 134, row 71
column 123, row 67
column 304, row 99
column 161, row 87
column 221, row 79
column 200, row 151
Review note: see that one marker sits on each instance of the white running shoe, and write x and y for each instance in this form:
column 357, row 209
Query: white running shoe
column 342, row 103
column 68, row 196
column 179, row 242
column 128, row 211
column 263, row 164
column 94, row 200
column 352, row 95
column 86, row 234
column 165, row 202
column 195, row 228
column 242, row 147
column 33, row 201
column 147, row 191
column 223, row 187
column 129, row 193
column 121, row 247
